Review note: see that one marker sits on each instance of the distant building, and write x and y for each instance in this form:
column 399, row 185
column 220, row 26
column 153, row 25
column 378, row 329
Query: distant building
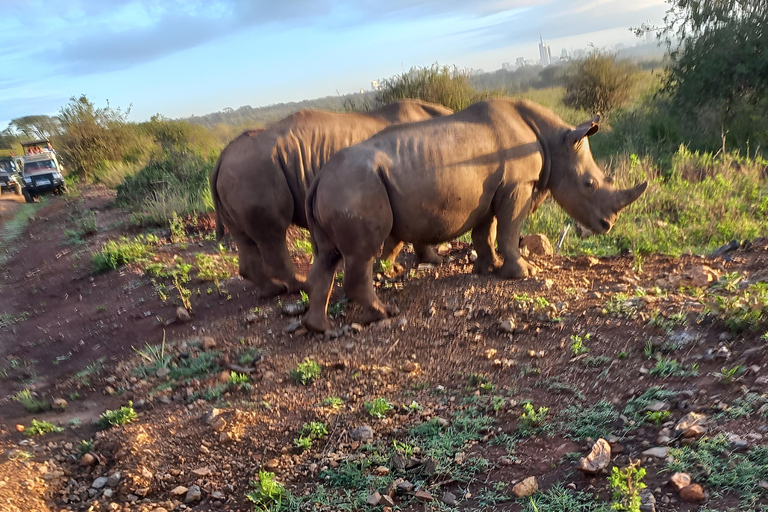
column 520, row 62
column 375, row 85
column 564, row 55
column 545, row 54
column 506, row 66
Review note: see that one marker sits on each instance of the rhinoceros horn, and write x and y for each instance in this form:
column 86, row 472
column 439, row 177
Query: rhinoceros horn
column 630, row 195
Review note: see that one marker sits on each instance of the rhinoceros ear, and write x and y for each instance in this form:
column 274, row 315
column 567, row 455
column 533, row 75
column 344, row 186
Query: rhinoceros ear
column 584, row 130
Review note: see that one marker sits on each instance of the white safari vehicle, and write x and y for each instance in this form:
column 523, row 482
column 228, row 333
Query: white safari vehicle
column 42, row 170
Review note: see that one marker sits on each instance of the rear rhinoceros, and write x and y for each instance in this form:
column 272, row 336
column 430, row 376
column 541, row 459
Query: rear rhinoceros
column 431, row 181
column 260, row 182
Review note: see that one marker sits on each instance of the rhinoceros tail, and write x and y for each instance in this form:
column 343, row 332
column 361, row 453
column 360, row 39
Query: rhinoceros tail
column 311, row 212
column 215, row 197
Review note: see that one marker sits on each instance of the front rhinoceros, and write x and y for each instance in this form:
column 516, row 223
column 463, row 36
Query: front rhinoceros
column 432, row 181
column 260, row 182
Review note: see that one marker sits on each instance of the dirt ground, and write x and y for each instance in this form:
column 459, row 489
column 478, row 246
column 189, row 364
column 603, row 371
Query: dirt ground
column 70, row 335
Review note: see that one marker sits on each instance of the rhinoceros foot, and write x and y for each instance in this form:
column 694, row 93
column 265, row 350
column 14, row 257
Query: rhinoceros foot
column 517, row 269
column 374, row 314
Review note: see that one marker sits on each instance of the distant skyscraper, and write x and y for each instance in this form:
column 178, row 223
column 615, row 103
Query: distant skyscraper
column 545, row 55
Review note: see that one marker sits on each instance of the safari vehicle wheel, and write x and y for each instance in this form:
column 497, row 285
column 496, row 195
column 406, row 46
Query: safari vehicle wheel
column 27, row 196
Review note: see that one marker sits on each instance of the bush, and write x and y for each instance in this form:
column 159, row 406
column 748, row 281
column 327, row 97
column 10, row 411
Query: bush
column 445, row 85
column 599, row 83
column 115, row 254
column 175, row 182
column 121, row 416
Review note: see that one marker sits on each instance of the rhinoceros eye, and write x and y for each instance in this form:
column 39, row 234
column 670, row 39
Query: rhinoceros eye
column 590, row 184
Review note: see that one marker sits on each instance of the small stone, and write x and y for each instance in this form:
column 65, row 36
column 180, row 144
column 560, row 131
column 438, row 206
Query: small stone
column 701, row 277
column 211, row 415
column 163, row 373
column 179, row 490
column 292, row 327
column 218, row 424
column 381, row 471
column 688, row 422
column 114, row 479
column 680, row 480
column 386, row 501
column 537, row 245
column 209, row 343
column 362, row 433
column 294, row 308
column 692, row 493
column 373, row 499
column 658, row 451
column 59, row 403
column 647, row 501
column 661, row 440
column 99, row 482
column 658, row 406
column 405, row 487
column 218, row 495
column 182, row 315
column 598, row 459
column 193, row 494
column 251, row 318
column 695, row 431
column 763, row 485
column 507, row 326
column 108, row 493
column 409, row 367
column 204, row 471
column 449, row 499
column 423, row 496
column 442, row 422
column 526, row 487
column 272, row 464
column 88, row 459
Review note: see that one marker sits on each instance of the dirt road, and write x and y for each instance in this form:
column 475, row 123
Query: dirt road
column 9, row 205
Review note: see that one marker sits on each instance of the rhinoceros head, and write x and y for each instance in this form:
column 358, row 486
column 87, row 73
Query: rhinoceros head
column 581, row 187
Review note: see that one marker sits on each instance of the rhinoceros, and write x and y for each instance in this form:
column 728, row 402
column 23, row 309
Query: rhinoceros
column 260, row 182
column 479, row 169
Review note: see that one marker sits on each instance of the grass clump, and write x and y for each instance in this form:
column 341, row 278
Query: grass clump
column 84, row 446
column 592, row 421
column 239, row 380
column 559, row 498
column 306, row 372
column 532, row 420
column 742, row 310
column 379, row 408
column 121, row 416
column 334, row 403
column 117, row 253
column 30, row 403
column 577, row 344
column 668, row 367
column 267, row 494
column 712, row 463
column 657, row 417
column 626, row 485
column 636, row 408
column 311, row 431
column 40, row 428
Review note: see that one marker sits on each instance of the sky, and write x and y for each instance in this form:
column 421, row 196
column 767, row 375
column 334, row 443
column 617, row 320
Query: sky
column 192, row 57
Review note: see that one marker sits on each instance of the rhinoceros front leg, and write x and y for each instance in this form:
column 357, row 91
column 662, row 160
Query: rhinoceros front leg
column 427, row 254
column 484, row 242
column 511, row 214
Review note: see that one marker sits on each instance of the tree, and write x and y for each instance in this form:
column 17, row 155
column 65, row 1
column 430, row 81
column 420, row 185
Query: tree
column 599, row 83
column 36, row 127
column 719, row 61
column 93, row 135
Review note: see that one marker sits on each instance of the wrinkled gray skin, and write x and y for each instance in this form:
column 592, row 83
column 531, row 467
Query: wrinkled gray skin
column 429, row 182
column 260, row 182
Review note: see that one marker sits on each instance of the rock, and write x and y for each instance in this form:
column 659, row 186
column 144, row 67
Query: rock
column 292, row 327
column 108, row 493
column 658, row 406
column 661, row 440
column 114, row 479
column 373, row 499
column 218, row 495
column 423, row 496
column 507, row 326
column 59, row 403
column 381, row 471
column 294, row 308
column 442, row 422
column 386, row 501
column 691, row 425
column 218, row 424
column 692, row 493
column 722, row 250
column 405, row 487
column 409, row 367
column 272, row 464
column 211, row 415
column 100, row 482
column 201, row 472
column 88, row 459
column 182, row 315
column 763, row 485
column 362, row 434
column 449, row 499
column 598, row 459
column 537, row 245
column 647, row 501
column 526, row 487
column 680, row 480
column 193, row 494
column 251, row 318
column 658, row 451
column 701, row 276
column 209, row 343
column 179, row 490
column 163, row 373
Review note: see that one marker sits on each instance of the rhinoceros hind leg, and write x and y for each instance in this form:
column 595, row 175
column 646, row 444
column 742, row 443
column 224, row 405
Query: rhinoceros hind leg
column 278, row 264
column 484, row 241
column 427, row 254
column 319, row 283
column 251, row 267
column 358, row 286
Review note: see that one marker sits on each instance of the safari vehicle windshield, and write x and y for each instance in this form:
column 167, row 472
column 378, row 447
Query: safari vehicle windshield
column 39, row 166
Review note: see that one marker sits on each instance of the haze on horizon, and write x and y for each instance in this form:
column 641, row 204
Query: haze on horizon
column 182, row 58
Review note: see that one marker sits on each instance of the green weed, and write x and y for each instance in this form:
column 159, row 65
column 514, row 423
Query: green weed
column 577, row 344
column 30, row 403
column 240, row 380
column 112, row 418
column 378, row 408
column 117, row 253
column 334, row 403
column 306, row 372
column 626, row 485
column 41, row 428
column 267, row 494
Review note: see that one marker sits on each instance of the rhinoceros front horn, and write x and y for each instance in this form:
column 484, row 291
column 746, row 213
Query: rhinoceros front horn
column 630, row 195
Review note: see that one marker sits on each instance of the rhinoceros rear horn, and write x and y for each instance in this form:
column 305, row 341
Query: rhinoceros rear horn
column 584, row 130
column 630, row 195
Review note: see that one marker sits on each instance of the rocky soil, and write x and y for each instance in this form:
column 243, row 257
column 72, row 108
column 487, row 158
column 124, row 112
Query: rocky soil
column 502, row 393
